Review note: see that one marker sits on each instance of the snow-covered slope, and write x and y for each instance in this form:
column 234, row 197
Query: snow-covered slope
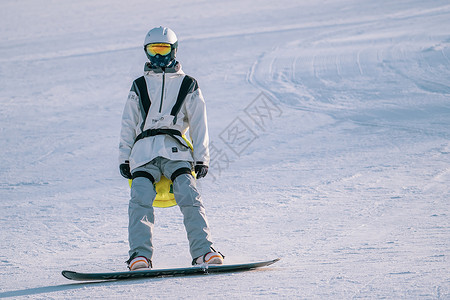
column 330, row 127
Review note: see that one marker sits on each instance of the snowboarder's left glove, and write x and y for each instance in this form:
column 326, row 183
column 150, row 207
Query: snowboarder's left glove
column 125, row 170
column 200, row 169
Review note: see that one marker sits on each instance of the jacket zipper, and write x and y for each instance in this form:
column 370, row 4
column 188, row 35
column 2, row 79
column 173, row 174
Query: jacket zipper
column 162, row 91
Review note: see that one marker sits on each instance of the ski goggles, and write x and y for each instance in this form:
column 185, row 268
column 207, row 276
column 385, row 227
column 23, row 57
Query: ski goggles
column 158, row 48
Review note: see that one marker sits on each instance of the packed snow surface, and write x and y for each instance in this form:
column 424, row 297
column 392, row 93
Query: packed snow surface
column 330, row 141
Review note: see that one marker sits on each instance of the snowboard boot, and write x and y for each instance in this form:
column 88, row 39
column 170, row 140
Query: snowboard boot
column 139, row 263
column 210, row 258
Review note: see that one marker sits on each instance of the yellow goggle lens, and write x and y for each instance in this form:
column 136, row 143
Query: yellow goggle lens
column 159, row 48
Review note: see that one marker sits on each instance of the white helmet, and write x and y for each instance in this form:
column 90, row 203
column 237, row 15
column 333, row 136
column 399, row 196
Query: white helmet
column 161, row 35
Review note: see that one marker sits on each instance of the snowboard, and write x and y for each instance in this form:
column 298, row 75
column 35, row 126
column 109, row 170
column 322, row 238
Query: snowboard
column 200, row 269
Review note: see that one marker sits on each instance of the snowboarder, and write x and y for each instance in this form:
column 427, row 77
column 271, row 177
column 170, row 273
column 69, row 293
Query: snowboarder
column 162, row 106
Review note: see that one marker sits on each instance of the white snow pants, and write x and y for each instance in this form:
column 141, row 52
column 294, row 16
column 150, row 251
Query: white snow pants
column 141, row 214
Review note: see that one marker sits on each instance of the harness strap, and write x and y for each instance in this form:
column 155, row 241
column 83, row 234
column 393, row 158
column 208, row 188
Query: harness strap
column 143, row 174
column 188, row 84
column 140, row 87
column 180, row 172
column 143, row 94
column 152, row 132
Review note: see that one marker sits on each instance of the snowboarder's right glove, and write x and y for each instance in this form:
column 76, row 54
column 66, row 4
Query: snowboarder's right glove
column 200, row 169
column 125, row 170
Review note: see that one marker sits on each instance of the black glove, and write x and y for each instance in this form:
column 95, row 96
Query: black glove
column 125, row 170
column 200, row 169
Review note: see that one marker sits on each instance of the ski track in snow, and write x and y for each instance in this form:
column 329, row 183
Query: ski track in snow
column 346, row 179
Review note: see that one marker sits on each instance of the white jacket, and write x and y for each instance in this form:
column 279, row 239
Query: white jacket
column 163, row 88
